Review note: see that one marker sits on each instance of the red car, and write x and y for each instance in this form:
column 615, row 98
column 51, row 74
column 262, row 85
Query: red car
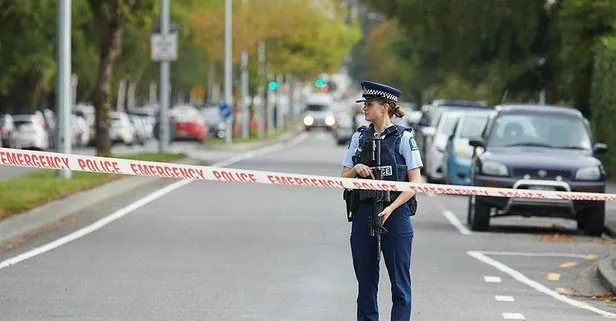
column 188, row 123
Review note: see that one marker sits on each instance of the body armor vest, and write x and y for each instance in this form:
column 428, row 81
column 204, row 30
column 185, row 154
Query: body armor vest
column 393, row 164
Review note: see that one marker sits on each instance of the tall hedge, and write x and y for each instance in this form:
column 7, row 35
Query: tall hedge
column 603, row 100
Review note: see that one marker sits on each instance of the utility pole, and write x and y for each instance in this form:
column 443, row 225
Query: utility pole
column 164, row 82
column 245, row 93
column 63, row 103
column 228, row 71
column 262, row 99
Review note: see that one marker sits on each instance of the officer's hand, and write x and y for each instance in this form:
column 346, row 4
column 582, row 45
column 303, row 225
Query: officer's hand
column 363, row 170
column 384, row 215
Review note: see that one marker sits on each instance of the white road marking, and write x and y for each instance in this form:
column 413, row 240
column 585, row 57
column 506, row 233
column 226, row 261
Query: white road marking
column 513, row 316
column 533, row 254
column 504, row 298
column 137, row 204
column 479, row 255
column 456, row 223
column 492, row 279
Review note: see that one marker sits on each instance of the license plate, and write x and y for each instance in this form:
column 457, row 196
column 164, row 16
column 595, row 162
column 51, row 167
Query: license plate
column 542, row 188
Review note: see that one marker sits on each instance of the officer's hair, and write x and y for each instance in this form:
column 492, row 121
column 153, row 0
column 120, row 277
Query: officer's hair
column 393, row 108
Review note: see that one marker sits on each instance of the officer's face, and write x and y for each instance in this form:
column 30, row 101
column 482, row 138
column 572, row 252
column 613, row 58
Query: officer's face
column 374, row 110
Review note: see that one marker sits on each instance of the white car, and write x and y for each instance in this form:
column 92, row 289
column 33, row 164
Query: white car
column 30, row 132
column 121, row 131
column 319, row 112
column 436, row 150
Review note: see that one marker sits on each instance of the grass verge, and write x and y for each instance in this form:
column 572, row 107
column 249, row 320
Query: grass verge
column 253, row 136
column 39, row 187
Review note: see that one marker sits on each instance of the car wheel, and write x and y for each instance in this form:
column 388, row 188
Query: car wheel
column 479, row 215
column 594, row 220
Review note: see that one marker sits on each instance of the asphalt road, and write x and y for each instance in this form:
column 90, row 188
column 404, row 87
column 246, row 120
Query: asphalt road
column 235, row 251
column 7, row 172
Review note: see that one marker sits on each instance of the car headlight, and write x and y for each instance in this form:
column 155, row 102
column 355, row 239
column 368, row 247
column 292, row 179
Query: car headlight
column 494, row 168
column 308, row 120
column 590, row 173
column 330, row 120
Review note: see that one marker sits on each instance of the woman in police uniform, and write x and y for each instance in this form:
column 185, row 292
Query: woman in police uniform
column 400, row 151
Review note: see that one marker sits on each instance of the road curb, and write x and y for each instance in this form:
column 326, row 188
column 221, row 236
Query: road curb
column 606, row 270
column 286, row 136
column 25, row 223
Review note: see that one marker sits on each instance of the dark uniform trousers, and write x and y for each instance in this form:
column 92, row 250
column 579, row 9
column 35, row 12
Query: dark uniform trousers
column 396, row 246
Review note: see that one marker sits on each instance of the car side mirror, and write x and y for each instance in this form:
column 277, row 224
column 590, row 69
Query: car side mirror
column 422, row 122
column 476, row 142
column 599, row 148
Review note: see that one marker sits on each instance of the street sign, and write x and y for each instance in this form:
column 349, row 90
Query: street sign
column 198, row 91
column 164, row 49
column 225, row 110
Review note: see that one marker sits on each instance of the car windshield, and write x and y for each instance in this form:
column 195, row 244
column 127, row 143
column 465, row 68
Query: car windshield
column 449, row 122
column 473, row 126
column 317, row 107
column 541, row 130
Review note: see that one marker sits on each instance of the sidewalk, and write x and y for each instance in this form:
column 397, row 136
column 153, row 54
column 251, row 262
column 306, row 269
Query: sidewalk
column 610, row 211
column 606, row 265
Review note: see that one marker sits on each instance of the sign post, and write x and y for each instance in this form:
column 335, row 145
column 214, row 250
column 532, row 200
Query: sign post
column 164, row 49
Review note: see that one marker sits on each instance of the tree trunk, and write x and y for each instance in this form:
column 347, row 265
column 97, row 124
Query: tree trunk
column 111, row 47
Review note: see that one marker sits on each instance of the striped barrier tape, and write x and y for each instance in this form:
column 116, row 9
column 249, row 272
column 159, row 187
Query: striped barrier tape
column 56, row 161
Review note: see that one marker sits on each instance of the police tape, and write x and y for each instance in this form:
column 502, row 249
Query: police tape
column 96, row 164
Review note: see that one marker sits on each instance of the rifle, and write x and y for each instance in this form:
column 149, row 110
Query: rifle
column 380, row 197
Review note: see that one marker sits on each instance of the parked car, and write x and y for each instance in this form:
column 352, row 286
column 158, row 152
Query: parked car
column 7, row 131
column 543, row 148
column 458, row 153
column 433, row 164
column 121, row 130
column 214, row 120
column 189, row 123
column 431, row 115
column 31, row 132
column 140, row 126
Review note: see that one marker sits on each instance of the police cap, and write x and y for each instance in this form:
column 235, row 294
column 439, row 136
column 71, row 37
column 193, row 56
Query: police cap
column 373, row 90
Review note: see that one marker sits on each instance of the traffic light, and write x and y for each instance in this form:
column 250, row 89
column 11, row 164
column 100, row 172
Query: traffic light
column 320, row 83
column 272, row 85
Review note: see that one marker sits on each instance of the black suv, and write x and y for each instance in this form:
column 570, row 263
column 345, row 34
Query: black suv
column 537, row 147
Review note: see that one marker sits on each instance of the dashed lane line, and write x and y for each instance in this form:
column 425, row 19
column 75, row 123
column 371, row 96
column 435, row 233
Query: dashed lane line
column 504, row 298
column 481, row 256
column 513, row 316
column 492, row 279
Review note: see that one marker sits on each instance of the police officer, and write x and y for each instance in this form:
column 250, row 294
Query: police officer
column 399, row 151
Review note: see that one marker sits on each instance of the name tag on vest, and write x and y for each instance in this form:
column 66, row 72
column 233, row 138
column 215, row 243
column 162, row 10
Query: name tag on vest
column 385, row 170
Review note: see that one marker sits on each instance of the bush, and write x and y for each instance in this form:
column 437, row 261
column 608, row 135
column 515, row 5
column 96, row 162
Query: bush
column 603, row 100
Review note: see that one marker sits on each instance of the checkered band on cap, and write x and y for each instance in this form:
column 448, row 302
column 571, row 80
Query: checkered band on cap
column 376, row 92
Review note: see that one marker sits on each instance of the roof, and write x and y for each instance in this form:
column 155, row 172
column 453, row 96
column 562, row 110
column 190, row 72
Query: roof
column 460, row 103
column 539, row 109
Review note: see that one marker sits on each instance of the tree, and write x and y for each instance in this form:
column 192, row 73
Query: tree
column 297, row 42
column 110, row 19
